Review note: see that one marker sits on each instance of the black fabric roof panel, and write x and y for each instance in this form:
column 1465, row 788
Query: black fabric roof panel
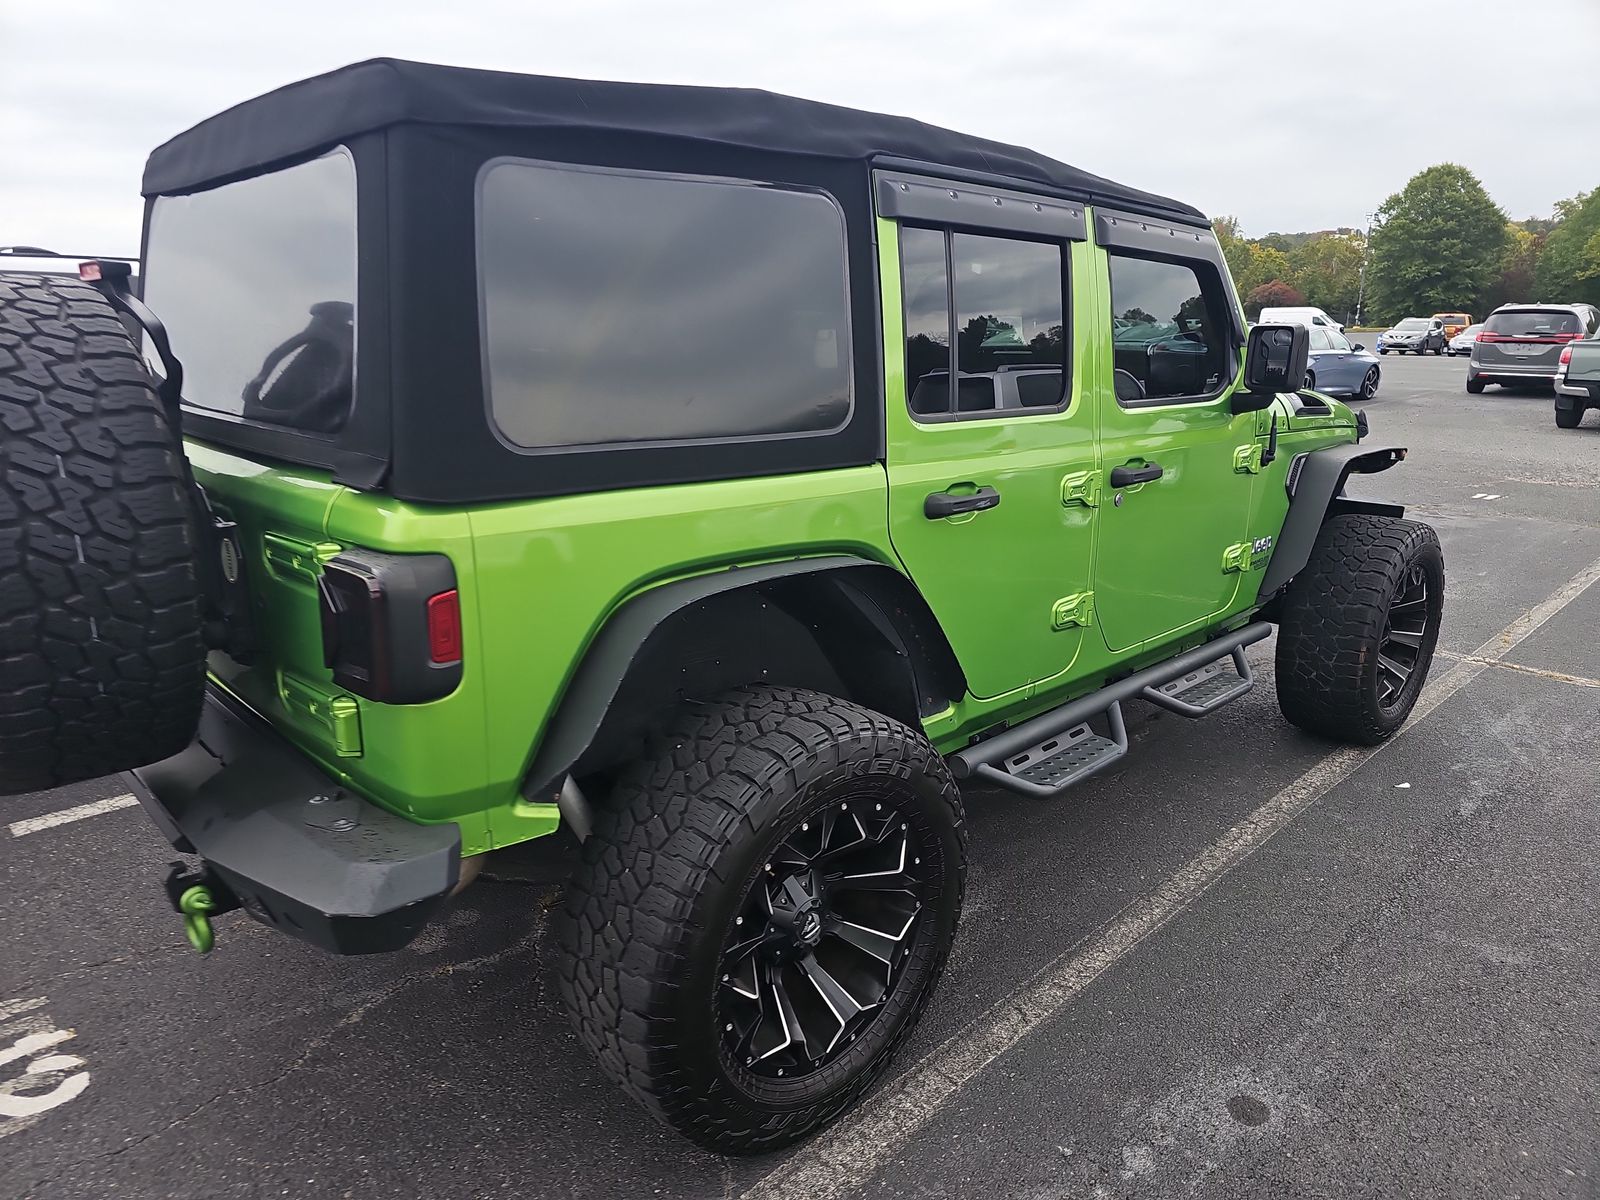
column 327, row 109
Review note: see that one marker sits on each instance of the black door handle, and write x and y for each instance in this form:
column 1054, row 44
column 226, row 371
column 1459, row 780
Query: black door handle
column 944, row 504
column 1127, row 476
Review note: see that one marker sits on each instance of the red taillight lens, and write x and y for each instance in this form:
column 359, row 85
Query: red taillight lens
column 1566, row 354
column 1488, row 337
column 444, row 627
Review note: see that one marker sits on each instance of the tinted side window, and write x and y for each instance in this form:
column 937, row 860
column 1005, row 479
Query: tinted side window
column 925, row 292
column 1004, row 299
column 1320, row 340
column 626, row 307
column 1167, row 327
column 256, row 283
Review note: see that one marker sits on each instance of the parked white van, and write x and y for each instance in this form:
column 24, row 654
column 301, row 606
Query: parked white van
column 1312, row 318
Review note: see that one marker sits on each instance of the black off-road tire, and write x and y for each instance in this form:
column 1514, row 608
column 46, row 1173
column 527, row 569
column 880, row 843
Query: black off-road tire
column 686, row 833
column 1569, row 418
column 100, row 642
column 1335, row 615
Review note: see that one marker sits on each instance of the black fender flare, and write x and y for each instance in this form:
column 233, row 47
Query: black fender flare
column 880, row 602
column 1316, row 481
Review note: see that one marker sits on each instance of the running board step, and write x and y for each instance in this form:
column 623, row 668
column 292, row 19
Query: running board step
column 1200, row 692
column 1047, row 755
column 1061, row 760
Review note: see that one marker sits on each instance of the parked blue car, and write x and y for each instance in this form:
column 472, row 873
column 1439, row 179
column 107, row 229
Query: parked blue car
column 1340, row 368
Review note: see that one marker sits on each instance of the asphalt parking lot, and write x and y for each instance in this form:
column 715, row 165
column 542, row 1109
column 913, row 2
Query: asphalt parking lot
column 1246, row 963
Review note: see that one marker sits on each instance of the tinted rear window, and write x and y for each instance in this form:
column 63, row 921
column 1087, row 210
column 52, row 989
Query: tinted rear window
column 1541, row 322
column 256, row 283
column 624, row 307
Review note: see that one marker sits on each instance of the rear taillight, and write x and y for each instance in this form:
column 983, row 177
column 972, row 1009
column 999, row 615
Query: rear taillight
column 391, row 625
column 1566, row 355
column 1488, row 337
column 444, row 628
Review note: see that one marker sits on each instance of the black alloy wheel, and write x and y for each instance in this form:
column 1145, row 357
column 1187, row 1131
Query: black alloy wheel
column 822, row 936
column 1405, row 635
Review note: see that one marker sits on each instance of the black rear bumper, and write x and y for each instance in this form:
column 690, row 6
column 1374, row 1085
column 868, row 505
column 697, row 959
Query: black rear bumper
column 301, row 852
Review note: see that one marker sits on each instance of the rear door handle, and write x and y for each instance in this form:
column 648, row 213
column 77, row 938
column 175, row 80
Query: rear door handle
column 1127, row 476
column 945, row 504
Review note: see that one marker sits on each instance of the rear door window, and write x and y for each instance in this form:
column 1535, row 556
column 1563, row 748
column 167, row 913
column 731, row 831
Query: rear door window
column 1003, row 299
column 627, row 307
column 256, row 284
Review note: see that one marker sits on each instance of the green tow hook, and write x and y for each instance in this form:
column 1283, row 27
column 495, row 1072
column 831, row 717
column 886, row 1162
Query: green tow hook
column 197, row 896
column 197, row 904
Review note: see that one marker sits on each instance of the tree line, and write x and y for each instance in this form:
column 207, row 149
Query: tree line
column 1440, row 244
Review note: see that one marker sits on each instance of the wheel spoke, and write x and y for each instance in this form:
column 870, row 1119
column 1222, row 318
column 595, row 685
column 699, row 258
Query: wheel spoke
column 840, row 1002
column 782, row 1015
column 880, row 944
column 1414, row 640
column 1394, row 669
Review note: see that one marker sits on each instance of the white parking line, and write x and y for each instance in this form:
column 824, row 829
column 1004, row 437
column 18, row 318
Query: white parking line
column 842, row 1159
column 68, row 815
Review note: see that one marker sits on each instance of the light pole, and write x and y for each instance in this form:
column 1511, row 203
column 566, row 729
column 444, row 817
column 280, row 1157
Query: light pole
column 1366, row 253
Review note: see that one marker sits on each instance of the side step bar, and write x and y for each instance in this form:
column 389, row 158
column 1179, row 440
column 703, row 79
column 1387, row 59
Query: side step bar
column 1047, row 755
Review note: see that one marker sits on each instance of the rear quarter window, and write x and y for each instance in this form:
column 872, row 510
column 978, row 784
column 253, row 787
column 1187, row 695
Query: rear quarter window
column 256, row 284
column 628, row 307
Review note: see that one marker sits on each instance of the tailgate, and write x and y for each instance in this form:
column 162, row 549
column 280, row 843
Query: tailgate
column 282, row 514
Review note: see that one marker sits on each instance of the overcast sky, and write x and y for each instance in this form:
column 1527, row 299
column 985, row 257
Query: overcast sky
column 1291, row 115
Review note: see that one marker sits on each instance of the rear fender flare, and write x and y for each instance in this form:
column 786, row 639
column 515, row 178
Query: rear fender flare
column 865, row 628
column 1316, row 483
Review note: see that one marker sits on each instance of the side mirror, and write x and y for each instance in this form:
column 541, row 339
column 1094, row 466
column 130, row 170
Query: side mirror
column 1357, row 346
column 1275, row 359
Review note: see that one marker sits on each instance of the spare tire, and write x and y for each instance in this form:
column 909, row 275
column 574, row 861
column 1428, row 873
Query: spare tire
column 102, row 661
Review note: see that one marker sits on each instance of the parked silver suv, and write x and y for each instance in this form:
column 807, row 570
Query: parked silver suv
column 1521, row 343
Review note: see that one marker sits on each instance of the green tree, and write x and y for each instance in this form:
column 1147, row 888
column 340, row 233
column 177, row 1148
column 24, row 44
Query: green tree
column 1327, row 271
column 1524, row 240
column 1263, row 266
column 1235, row 249
column 1438, row 245
column 1568, row 269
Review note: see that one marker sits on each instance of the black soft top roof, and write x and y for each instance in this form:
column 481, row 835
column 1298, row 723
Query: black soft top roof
column 319, row 112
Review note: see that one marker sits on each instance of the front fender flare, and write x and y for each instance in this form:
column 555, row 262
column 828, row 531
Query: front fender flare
column 1315, row 484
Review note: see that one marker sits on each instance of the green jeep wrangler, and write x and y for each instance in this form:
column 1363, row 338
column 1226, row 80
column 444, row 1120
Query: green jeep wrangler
column 719, row 477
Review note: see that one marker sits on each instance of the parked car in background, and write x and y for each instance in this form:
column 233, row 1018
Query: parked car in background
column 1461, row 343
column 1414, row 335
column 1521, row 343
column 1339, row 367
column 1577, row 381
column 1312, row 318
column 1454, row 323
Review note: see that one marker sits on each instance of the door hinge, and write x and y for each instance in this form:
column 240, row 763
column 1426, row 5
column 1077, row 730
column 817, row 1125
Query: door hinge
column 1247, row 459
column 339, row 715
column 1072, row 610
column 1081, row 487
column 1247, row 556
column 289, row 557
